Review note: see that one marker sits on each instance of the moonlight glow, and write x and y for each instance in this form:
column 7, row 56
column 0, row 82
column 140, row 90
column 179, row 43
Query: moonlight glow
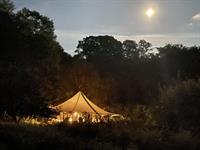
column 150, row 12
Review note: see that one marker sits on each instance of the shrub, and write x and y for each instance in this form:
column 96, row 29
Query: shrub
column 179, row 105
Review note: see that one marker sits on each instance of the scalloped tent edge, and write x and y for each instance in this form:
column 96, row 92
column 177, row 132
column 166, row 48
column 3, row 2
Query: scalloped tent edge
column 80, row 103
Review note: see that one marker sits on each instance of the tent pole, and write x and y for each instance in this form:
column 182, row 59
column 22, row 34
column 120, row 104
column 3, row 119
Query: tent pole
column 90, row 105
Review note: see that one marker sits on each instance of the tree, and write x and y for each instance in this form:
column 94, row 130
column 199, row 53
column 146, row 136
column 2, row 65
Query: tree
column 130, row 50
column 133, row 50
column 179, row 105
column 29, row 62
column 179, row 61
column 6, row 6
column 98, row 47
column 144, row 47
column 84, row 76
column 20, row 97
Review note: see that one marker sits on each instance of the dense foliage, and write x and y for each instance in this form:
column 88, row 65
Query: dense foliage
column 95, row 137
column 179, row 105
column 29, row 61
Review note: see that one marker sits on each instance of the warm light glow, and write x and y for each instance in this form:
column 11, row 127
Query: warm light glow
column 70, row 120
column 75, row 113
column 150, row 12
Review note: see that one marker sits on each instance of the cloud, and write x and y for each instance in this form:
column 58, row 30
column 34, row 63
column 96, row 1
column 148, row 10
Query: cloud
column 69, row 38
column 157, row 40
column 190, row 24
column 196, row 17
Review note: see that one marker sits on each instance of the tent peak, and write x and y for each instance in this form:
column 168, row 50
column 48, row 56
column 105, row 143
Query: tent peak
column 80, row 103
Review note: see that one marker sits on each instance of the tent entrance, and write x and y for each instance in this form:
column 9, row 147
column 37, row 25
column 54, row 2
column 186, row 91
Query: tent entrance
column 79, row 117
column 80, row 109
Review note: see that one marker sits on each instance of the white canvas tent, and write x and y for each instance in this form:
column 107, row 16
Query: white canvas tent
column 78, row 105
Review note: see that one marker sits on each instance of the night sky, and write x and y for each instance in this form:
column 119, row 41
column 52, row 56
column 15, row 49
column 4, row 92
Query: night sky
column 174, row 21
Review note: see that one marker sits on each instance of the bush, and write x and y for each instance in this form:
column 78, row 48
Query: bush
column 179, row 105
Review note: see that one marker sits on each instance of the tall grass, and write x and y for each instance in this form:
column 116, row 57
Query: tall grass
column 91, row 137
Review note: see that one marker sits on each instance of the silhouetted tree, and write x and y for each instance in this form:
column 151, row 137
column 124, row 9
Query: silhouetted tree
column 99, row 47
column 6, row 6
column 29, row 61
column 179, row 61
column 144, row 47
column 130, row 49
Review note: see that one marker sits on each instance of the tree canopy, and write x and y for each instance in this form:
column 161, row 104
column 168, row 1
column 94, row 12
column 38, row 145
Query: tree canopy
column 29, row 61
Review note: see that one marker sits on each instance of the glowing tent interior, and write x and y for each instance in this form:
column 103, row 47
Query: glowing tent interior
column 80, row 109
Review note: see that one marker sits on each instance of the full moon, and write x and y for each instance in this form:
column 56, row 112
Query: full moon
column 150, row 12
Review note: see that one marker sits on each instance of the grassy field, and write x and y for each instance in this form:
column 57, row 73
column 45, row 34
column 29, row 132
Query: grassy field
column 115, row 136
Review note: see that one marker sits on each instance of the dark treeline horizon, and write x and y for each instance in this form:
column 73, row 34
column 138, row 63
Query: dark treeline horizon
column 35, row 70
